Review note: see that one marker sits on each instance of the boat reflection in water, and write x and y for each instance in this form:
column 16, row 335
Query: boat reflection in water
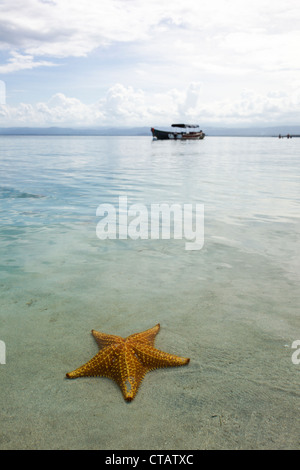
column 179, row 132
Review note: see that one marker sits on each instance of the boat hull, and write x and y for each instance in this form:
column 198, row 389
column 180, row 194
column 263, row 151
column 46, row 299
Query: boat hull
column 165, row 135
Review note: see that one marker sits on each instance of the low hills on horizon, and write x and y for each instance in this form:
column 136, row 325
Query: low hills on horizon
column 145, row 131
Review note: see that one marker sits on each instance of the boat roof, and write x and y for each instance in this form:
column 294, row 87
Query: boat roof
column 185, row 125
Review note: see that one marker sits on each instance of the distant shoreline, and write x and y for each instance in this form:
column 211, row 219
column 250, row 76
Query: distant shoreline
column 119, row 135
column 145, row 131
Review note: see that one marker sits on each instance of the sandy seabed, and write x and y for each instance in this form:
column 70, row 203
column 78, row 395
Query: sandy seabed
column 240, row 390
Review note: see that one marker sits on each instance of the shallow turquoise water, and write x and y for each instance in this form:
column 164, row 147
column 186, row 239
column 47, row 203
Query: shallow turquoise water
column 232, row 307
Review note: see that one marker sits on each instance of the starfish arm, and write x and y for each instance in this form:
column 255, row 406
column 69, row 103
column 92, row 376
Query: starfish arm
column 128, row 373
column 104, row 340
column 147, row 336
column 100, row 365
column 153, row 358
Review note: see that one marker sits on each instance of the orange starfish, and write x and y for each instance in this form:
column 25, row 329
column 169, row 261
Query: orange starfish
column 127, row 360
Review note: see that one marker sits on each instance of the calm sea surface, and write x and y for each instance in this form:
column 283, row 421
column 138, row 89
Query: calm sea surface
column 232, row 307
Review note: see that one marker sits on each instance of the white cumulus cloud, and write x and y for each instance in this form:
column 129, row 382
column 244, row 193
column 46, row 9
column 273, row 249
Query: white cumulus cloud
column 23, row 62
column 171, row 59
column 125, row 106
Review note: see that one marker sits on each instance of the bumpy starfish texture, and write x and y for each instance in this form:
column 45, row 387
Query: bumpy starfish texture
column 127, row 360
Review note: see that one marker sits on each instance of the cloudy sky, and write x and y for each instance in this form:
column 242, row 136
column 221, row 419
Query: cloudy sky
column 149, row 62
